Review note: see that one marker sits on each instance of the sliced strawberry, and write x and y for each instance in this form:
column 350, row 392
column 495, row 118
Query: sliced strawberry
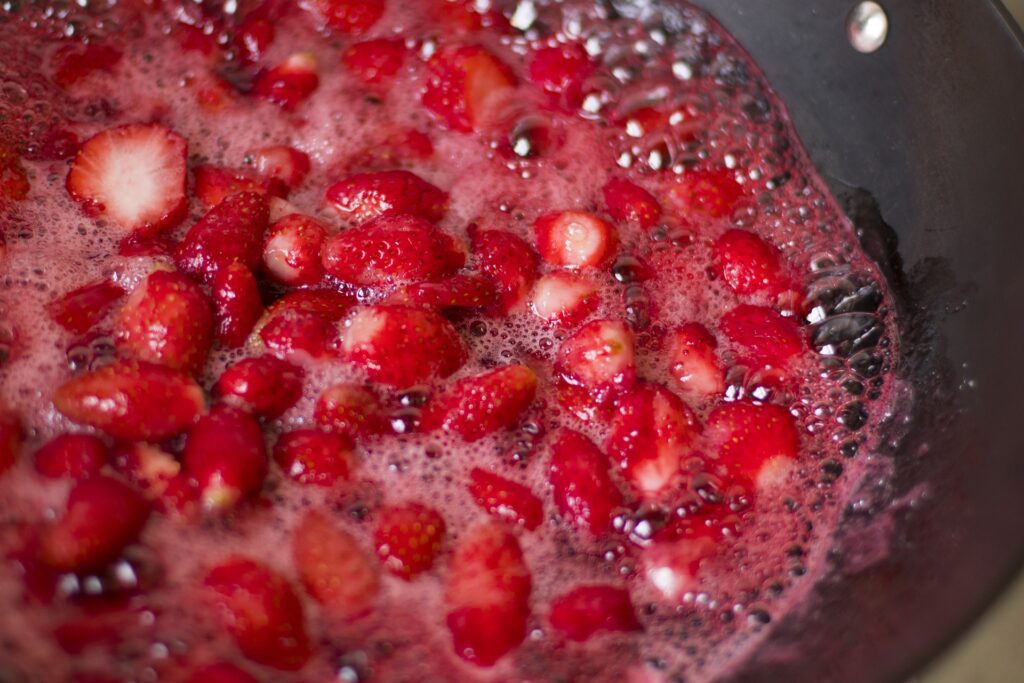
column 401, row 346
column 132, row 175
column 389, row 249
column 563, row 298
column 333, row 567
column 702, row 194
column 755, row 442
column 290, row 83
column 364, row 196
column 506, row 499
column 149, row 467
column 230, row 232
column 574, row 239
column 81, row 309
column 351, row 410
column 747, row 263
column 586, row 610
column 374, row 62
column 236, row 302
column 132, row 400
column 693, row 363
column 253, row 36
column 166, row 320
column 303, row 323
column 762, row 335
column 103, row 515
column 259, row 608
column 487, row 591
column 509, row 261
column 348, row 17
column 310, row 456
column 291, row 254
column 264, row 385
column 468, row 87
column 282, row 163
column 650, row 435
column 627, row 202
column 12, row 435
column 584, row 492
column 72, row 63
column 475, row 406
column 458, row 291
column 214, row 183
column 220, row 673
column 599, row 357
column 14, row 182
column 78, row 456
column 408, row 537
column 561, row 71
column 225, row 454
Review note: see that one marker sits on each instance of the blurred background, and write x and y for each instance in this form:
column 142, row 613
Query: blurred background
column 992, row 651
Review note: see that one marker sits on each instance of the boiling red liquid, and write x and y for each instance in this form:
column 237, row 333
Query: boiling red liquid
column 715, row 113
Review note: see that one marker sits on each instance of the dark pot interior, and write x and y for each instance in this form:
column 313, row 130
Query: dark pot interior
column 925, row 136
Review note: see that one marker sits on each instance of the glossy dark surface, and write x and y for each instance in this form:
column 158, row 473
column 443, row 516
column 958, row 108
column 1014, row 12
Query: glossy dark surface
column 930, row 127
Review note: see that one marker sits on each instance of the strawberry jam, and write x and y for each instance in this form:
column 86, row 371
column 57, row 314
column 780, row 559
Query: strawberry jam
column 367, row 340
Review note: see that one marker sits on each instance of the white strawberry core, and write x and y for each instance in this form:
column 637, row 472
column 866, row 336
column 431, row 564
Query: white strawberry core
column 605, row 355
column 775, row 472
column 579, row 239
column 276, row 255
column 556, row 296
column 362, row 328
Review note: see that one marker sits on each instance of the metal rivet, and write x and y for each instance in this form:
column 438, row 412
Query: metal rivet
column 867, row 27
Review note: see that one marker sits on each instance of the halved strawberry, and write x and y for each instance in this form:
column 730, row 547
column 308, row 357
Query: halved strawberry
column 754, row 441
column 103, row 515
column 302, row 323
column 225, row 454
column 762, row 335
column 747, row 264
column 220, row 673
column 72, row 63
column 236, row 302
column 586, row 610
column 693, row 363
column 401, row 346
column 374, row 62
column 259, row 608
column 264, row 385
column 475, row 406
column 561, row 71
column 468, row 87
column 291, row 254
column 348, row 17
column 230, row 232
column 393, row 248
column 574, row 239
column 563, row 298
column 214, row 183
column 132, row 400
column 78, row 456
column 408, row 537
column 133, row 175
column 333, row 567
column 650, row 435
column 310, row 456
column 12, row 434
column 701, row 194
column 14, row 183
column 509, row 261
column 148, row 467
column 487, row 591
column 599, row 357
column 166, row 320
column 290, row 83
column 629, row 203
column 80, row 309
column 584, row 492
column 365, row 196
column 506, row 499
column 350, row 409
column 282, row 163
column 457, row 291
